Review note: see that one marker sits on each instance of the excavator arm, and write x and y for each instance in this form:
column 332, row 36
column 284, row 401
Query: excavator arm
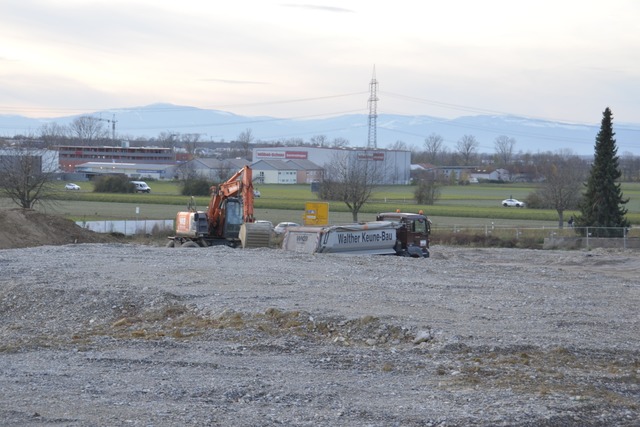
column 228, row 219
column 240, row 185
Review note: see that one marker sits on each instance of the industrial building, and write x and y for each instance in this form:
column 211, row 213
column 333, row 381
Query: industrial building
column 70, row 155
column 46, row 161
column 132, row 170
column 286, row 172
column 394, row 165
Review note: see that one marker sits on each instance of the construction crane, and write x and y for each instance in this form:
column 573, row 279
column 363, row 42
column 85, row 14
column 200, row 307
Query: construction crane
column 113, row 122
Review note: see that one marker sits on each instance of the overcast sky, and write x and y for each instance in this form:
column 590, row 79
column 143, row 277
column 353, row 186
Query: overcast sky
column 563, row 60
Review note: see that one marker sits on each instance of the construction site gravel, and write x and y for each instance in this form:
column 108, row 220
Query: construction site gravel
column 102, row 334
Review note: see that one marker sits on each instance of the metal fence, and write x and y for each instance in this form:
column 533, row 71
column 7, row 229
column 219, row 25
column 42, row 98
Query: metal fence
column 129, row 227
column 553, row 237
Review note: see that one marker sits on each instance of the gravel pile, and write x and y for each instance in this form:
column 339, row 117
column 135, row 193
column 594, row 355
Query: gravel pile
column 117, row 334
column 25, row 228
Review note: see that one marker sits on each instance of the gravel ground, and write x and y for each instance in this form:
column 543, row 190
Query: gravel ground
column 123, row 334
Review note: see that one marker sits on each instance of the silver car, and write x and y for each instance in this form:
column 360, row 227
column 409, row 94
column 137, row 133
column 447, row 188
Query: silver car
column 282, row 227
column 512, row 203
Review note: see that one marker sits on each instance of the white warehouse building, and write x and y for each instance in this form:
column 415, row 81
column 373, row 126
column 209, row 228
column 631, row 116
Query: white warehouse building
column 395, row 165
column 47, row 160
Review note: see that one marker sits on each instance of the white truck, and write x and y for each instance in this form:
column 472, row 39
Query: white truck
column 395, row 233
column 141, row 187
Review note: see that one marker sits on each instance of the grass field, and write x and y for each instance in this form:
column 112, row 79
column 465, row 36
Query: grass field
column 472, row 205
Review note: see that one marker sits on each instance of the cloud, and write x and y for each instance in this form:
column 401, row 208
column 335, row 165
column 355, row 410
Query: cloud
column 494, row 56
column 235, row 82
column 319, row 7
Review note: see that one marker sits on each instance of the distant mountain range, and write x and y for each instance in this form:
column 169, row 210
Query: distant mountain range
column 531, row 135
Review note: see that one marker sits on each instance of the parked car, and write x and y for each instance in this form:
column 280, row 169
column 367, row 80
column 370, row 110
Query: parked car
column 72, row 186
column 256, row 193
column 512, row 203
column 282, row 227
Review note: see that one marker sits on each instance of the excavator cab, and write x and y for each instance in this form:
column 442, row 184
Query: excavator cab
column 232, row 218
column 227, row 219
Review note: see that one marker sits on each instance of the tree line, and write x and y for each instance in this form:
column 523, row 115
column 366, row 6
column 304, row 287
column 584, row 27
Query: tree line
column 562, row 175
column 95, row 131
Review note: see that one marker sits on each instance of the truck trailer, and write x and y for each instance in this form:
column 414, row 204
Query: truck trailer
column 396, row 233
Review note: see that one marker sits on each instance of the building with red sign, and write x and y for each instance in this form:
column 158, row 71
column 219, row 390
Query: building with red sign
column 286, row 172
column 395, row 164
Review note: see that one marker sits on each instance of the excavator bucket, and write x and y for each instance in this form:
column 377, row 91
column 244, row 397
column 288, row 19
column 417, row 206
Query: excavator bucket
column 256, row 235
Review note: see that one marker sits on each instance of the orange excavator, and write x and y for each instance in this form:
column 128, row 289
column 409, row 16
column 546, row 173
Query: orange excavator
column 227, row 221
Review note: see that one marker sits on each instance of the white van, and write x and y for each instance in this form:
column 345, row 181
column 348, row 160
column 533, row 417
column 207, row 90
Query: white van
column 141, row 187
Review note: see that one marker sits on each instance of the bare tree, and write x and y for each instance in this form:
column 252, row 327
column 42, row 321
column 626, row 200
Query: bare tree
column 564, row 176
column 186, row 171
column 399, row 145
column 291, row 142
column 190, row 142
column 27, row 175
column 53, row 133
column 319, row 140
column 339, row 143
column 244, row 139
column 224, row 172
column 434, row 146
column 504, row 146
column 467, row 147
column 88, row 130
column 630, row 167
column 168, row 139
column 351, row 177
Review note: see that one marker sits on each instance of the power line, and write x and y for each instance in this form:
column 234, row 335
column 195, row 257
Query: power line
column 497, row 130
column 373, row 113
column 457, row 107
column 246, row 122
column 287, row 101
column 442, row 104
column 161, row 107
column 471, row 109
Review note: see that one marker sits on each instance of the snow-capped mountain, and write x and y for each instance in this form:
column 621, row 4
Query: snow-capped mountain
column 531, row 135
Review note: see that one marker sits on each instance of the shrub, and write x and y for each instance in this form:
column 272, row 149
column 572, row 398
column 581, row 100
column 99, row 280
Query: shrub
column 427, row 192
column 113, row 184
column 195, row 187
column 536, row 201
column 482, row 240
column 329, row 190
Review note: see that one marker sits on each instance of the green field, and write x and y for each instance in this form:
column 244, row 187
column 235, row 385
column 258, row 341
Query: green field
column 471, row 205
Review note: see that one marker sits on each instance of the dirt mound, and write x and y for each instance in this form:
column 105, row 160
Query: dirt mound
column 21, row 228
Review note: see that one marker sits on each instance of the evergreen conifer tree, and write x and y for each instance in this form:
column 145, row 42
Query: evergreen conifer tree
column 602, row 205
